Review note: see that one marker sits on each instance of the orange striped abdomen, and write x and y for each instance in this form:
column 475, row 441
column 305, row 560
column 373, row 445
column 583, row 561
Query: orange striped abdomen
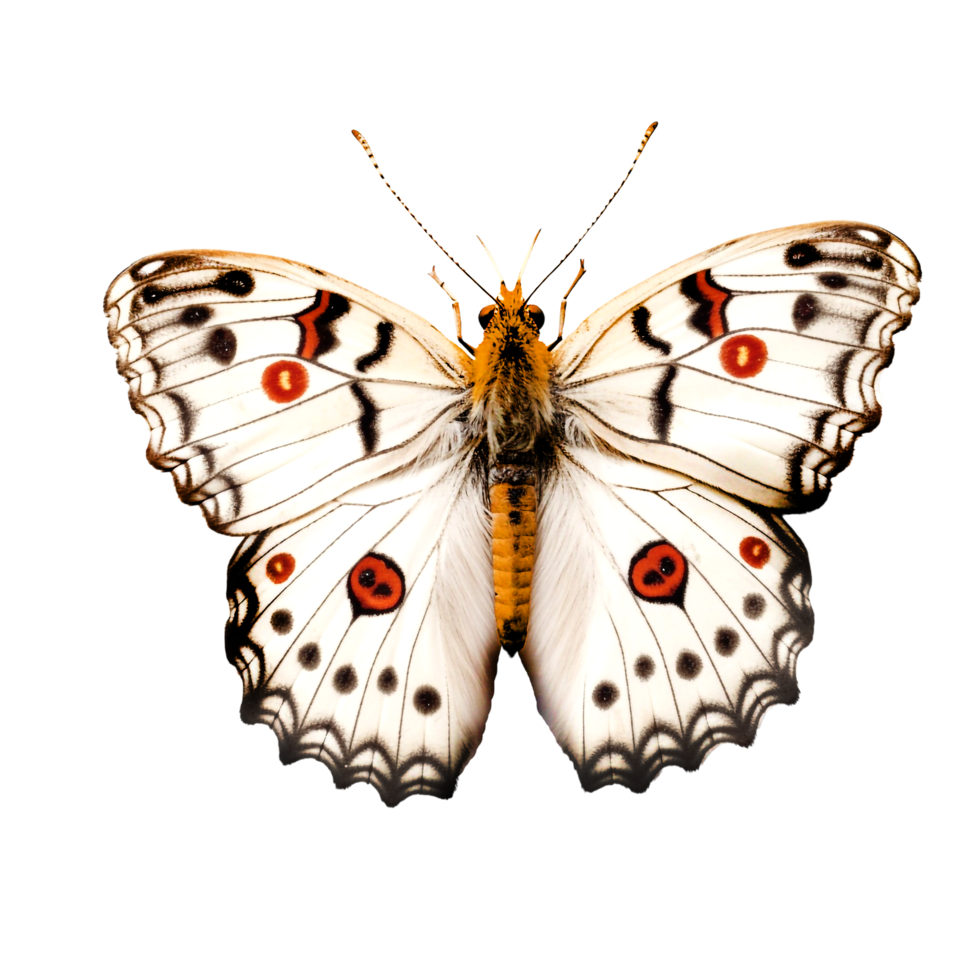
column 513, row 506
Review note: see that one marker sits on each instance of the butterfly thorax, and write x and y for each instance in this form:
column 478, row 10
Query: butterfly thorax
column 512, row 404
column 512, row 376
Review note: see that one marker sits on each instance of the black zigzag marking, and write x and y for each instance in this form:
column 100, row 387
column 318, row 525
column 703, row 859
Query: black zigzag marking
column 708, row 318
column 244, row 602
column 641, row 328
column 661, row 407
column 382, row 348
column 317, row 320
column 367, row 424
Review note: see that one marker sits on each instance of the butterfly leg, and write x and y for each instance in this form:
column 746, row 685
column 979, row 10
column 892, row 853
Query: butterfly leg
column 459, row 319
column 561, row 312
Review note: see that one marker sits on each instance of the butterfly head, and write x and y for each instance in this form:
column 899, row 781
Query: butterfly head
column 510, row 315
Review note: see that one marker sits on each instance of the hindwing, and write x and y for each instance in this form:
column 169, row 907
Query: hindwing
column 364, row 632
column 666, row 616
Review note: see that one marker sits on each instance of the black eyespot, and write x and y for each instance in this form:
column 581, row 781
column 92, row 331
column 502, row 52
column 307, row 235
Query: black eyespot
column 753, row 605
column 537, row 316
column 237, row 282
column 726, row 640
column 222, row 344
column 426, row 700
column 832, row 280
column 486, row 315
column 605, row 695
column 387, row 680
column 282, row 621
column 309, row 656
column 801, row 254
column 193, row 316
column 345, row 679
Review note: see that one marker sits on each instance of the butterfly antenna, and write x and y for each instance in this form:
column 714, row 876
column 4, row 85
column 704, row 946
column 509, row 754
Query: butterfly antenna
column 366, row 146
column 643, row 143
column 493, row 262
column 520, row 275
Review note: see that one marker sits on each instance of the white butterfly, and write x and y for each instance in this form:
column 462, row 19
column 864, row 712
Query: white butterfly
column 393, row 493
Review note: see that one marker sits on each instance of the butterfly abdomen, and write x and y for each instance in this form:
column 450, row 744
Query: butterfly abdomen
column 513, row 509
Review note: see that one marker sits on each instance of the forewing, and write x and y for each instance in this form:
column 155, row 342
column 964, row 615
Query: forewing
column 270, row 387
column 666, row 616
column 750, row 367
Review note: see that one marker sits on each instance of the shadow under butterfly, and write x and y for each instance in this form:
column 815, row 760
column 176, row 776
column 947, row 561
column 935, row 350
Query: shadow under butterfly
column 395, row 495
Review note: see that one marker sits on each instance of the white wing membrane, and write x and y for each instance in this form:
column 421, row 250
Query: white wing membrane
column 271, row 388
column 750, row 367
column 666, row 616
column 390, row 687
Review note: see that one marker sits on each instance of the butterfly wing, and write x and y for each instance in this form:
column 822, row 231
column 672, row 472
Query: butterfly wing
column 320, row 421
column 666, row 616
column 270, row 387
column 750, row 367
column 365, row 634
column 670, row 601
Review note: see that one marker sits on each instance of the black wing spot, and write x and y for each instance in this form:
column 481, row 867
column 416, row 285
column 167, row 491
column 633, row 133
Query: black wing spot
column 426, row 700
column 688, row 664
column 832, row 280
column 193, row 316
column 237, row 282
column 367, row 424
column 605, row 695
column 726, row 640
column 386, row 332
column 309, row 656
column 641, row 327
column 387, row 680
column 222, row 345
column 805, row 311
column 802, row 254
column 661, row 407
column 753, row 605
column 281, row 621
column 345, row 679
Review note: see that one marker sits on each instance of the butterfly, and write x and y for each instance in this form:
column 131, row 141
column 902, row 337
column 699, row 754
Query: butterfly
column 396, row 497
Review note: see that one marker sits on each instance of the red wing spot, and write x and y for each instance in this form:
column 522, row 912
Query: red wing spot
column 716, row 297
column 307, row 320
column 375, row 585
column 658, row 572
column 285, row 381
column 754, row 552
column 280, row 567
column 743, row 356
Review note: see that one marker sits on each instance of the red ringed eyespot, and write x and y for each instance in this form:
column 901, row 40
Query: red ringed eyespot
column 375, row 585
column 743, row 356
column 285, row 381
